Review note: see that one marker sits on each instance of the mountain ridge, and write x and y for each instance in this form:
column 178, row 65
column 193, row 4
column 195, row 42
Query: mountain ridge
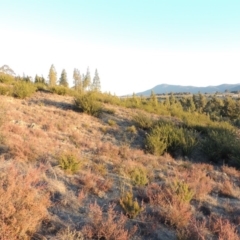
column 168, row 88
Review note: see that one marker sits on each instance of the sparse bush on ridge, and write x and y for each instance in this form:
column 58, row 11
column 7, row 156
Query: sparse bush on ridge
column 60, row 90
column 143, row 121
column 22, row 89
column 6, row 78
column 6, row 90
column 87, row 103
column 109, row 111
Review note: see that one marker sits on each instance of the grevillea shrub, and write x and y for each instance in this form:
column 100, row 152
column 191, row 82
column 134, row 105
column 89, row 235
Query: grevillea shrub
column 23, row 89
column 88, row 103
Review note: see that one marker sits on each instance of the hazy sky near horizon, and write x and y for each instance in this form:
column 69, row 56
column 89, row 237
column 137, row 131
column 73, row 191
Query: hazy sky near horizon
column 135, row 45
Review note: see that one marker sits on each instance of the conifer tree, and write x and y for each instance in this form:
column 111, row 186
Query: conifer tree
column 96, row 85
column 87, row 80
column 39, row 79
column 63, row 79
column 52, row 76
column 77, row 80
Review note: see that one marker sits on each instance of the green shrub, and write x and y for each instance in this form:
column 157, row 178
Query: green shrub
column 235, row 155
column 220, row 144
column 87, row 103
column 143, row 121
column 6, row 90
column 69, row 163
column 109, row 111
column 138, row 176
column 130, row 206
column 22, row 89
column 182, row 190
column 187, row 140
column 165, row 136
column 132, row 129
column 5, row 78
column 60, row 90
column 156, row 141
column 41, row 86
column 111, row 122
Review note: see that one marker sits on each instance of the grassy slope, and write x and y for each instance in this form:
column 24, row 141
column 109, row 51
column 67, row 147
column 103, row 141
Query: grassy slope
column 40, row 129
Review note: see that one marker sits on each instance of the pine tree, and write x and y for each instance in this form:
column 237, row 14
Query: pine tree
column 96, row 85
column 52, row 76
column 77, row 80
column 39, row 79
column 87, row 80
column 63, row 79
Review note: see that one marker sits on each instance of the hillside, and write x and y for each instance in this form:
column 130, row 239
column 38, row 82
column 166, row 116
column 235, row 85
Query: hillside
column 167, row 88
column 91, row 178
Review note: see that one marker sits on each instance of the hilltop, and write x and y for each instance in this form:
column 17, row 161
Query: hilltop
column 89, row 177
column 168, row 88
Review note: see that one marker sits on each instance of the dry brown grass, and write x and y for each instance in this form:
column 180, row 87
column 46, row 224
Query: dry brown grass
column 195, row 230
column 231, row 171
column 227, row 189
column 24, row 202
column 94, row 183
column 223, row 229
column 198, row 181
column 169, row 206
column 111, row 226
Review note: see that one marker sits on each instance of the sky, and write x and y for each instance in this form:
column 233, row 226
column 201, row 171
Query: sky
column 135, row 45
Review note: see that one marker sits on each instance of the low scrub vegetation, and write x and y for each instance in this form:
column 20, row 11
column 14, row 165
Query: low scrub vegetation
column 64, row 174
column 87, row 103
column 24, row 202
column 6, row 90
column 166, row 137
column 6, row 78
column 131, row 207
column 106, row 226
column 221, row 145
column 61, row 90
column 69, row 162
column 143, row 121
column 22, row 89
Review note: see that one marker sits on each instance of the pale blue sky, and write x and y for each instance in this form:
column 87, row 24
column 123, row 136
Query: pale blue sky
column 134, row 44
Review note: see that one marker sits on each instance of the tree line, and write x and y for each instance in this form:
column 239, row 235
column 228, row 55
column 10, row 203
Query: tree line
column 82, row 82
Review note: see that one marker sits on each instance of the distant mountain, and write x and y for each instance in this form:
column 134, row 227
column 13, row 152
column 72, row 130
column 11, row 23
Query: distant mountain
column 167, row 88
